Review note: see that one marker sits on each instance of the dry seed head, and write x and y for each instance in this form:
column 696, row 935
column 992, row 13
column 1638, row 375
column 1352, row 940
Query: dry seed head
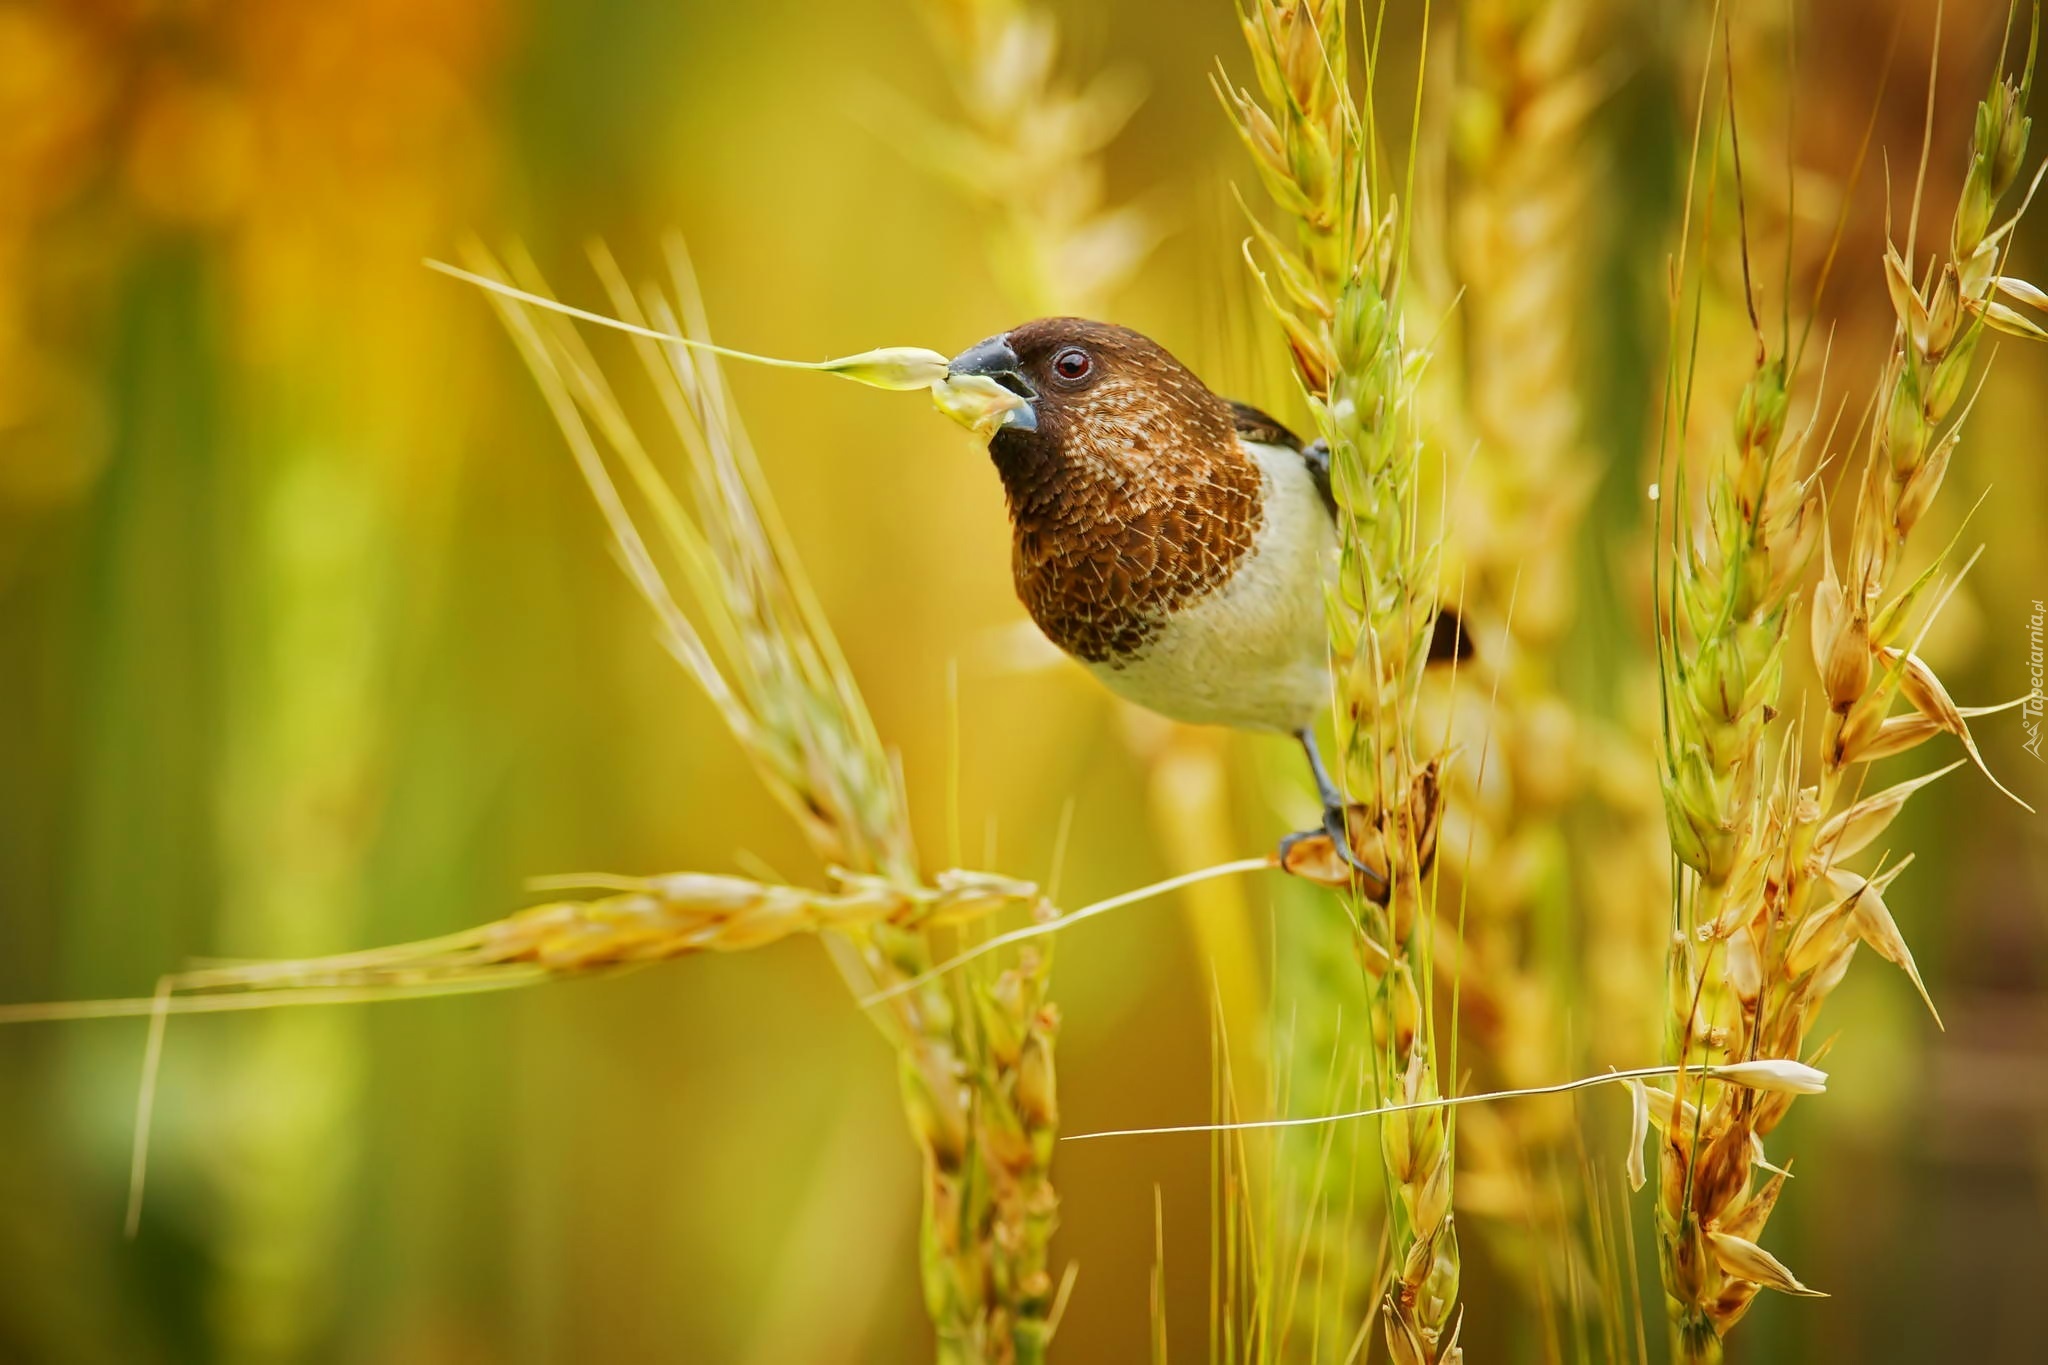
column 1906, row 421
column 1429, row 1206
column 936, row 1112
column 1862, row 727
column 1846, row 674
column 1874, row 924
column 2029, row 294
column 1743, row 967
column 1002, row 1029
column 1406, row 1011
column 1397, row 1149
column 1037, row 1093
column 1892, row 619
column 2008, row 320
column 1919, row 490
column 1924, row 690
column 1826, row 977
column 1721, row 1173
column 1852, row 830
column 1829, row 604
column 1404, row 1341
column 1912, row 313
column 1944, row 315
column 1897, row 735
column 1749, row 1221
column 685, row 913
column 1745, row 1260
column 1817, row 938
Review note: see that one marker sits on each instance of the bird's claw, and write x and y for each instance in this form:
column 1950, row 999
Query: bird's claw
column 1337, row 824
column 1336, row 829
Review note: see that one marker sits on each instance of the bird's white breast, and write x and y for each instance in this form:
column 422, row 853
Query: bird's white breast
column 1252, row 652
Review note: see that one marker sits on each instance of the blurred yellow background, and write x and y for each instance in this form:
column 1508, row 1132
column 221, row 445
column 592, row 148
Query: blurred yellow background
column 310, row 640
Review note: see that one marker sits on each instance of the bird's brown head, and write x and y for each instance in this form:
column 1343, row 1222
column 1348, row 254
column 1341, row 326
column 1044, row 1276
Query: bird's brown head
column 1103, row 401
column 1128, row 490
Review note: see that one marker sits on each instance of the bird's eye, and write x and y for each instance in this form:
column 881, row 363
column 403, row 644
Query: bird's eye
column 1072, row 363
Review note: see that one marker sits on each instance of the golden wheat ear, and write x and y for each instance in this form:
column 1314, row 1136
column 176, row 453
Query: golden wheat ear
column 1766, row 842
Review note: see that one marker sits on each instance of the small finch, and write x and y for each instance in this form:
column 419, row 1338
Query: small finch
column 1175, row 543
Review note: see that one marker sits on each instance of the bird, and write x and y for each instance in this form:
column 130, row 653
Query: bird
column 1177, row 544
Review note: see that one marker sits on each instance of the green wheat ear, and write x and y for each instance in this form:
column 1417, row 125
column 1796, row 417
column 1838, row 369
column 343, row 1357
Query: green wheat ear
column 1334, row 280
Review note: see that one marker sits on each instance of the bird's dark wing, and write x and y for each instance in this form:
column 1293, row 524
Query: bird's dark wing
column 1255, row 425
column 1447, row 640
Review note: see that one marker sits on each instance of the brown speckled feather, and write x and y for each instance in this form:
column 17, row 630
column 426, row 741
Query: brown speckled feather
column 1132, row 497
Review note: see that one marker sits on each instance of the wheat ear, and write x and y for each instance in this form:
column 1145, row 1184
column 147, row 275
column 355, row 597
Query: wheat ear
column 1334, row 283
column 1775, row 918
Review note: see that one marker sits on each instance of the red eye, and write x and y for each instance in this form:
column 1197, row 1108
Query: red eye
column 1072, row 363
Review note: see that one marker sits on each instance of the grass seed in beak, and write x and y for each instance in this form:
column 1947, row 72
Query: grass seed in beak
column 901, row 368
column 975, row 401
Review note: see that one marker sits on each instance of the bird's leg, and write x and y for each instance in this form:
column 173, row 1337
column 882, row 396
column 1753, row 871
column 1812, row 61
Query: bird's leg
column 1336, row 813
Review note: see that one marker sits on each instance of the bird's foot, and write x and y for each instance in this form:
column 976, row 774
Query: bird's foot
column 1325, row 855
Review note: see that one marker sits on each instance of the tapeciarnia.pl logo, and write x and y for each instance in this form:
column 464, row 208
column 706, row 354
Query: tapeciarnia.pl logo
column 2030, row 711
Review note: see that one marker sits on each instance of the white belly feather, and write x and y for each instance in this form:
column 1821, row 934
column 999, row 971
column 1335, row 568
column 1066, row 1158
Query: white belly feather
column 1253, row 652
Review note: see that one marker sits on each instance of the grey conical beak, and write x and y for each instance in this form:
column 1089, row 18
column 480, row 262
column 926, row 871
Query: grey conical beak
column 993, row 359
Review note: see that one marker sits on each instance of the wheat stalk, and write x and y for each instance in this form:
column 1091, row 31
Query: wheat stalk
column 644, row 920
column 1774, row 918
column 1028, row 144
column 1335, row 287
column 1724, row 654
column 976, row 1055
column 1520, row 188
